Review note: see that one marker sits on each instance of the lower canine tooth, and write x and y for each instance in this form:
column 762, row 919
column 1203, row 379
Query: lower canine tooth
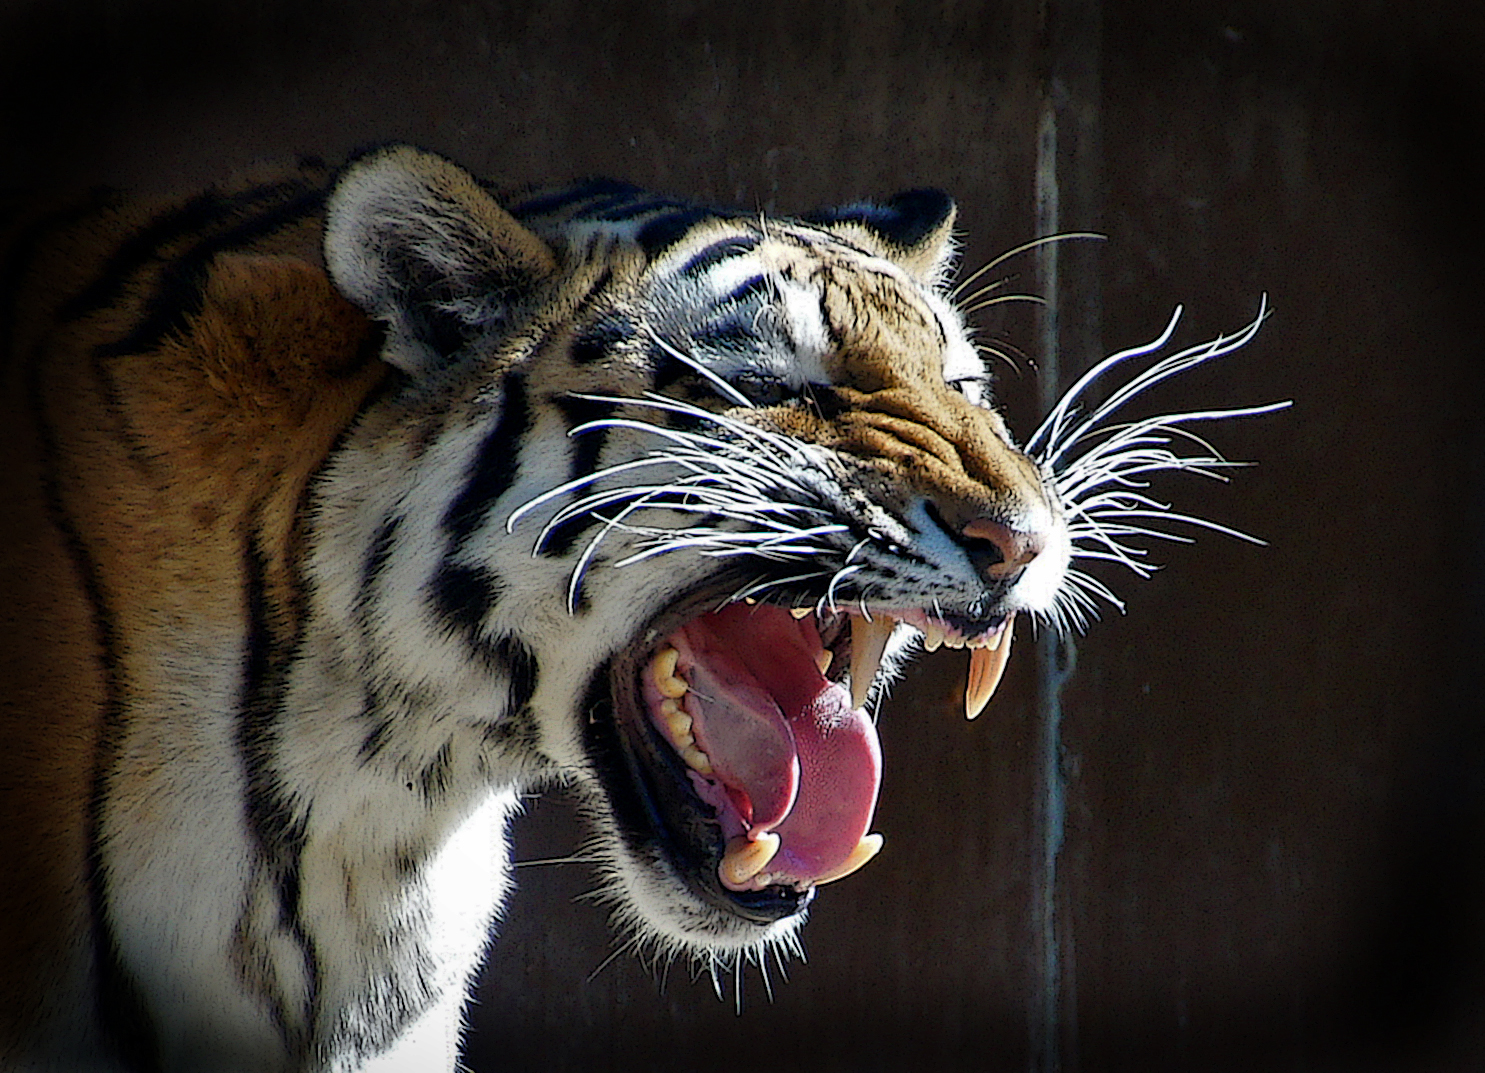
column 986, row 665
column 663, row 670
column 799, row 612
column 746, row 857
column 866, row 849
column 868, row 642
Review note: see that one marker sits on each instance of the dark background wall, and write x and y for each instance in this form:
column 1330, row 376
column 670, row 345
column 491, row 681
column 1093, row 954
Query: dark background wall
column 1272, row 768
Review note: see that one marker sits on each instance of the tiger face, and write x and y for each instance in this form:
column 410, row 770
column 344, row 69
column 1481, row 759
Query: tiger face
column 713, row 475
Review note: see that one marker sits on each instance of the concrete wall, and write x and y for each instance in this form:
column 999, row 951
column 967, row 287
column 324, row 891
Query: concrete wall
column 1272, row 765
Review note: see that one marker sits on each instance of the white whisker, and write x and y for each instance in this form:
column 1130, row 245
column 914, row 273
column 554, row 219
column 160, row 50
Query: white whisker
column 743, row 480
column 995, row 300
column 722, row 386
column 1023, row 248
column 1100, row 467
column 575, row 859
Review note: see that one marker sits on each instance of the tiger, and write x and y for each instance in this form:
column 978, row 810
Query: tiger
column 347, row 507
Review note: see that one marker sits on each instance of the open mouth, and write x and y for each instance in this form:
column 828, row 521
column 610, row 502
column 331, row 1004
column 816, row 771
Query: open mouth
column 745, row 734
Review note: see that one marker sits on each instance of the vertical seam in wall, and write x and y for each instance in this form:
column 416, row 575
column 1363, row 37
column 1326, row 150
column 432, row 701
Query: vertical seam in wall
column 1066, row 197
column 1048, row 787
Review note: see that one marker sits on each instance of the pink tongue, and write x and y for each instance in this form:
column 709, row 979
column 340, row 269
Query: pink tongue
column 785, row 745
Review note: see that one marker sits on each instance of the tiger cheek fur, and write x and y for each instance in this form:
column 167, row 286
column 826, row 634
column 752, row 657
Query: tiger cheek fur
column 583, row 486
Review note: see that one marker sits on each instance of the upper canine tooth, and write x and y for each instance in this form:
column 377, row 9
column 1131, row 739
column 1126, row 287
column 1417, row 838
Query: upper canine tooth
column 746, row 857
column 799, row 612
column 986, row 665
column 868, row 642
column 662, row 670
column 866, row 849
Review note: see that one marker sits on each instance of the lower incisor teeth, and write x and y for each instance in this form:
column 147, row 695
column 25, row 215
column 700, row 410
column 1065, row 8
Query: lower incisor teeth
column 866, row 849
column 746, row 857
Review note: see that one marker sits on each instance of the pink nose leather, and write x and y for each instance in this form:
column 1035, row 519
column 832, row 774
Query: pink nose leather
column 1016, row 548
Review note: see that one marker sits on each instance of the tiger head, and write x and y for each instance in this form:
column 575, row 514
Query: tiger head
column 694, row 482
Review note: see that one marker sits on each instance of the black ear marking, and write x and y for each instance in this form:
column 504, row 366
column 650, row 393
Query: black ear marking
column 914, row 229
column 905, row 220
column 416, row 242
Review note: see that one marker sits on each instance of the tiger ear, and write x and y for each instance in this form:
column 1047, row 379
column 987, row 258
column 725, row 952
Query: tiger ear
column 914, row 230
column 417, row 243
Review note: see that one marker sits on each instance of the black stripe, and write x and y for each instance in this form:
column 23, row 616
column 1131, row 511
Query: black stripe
column 433, row 780
column 837, row 341
column 495, row 467
column 367, row 351
column 178, row 292
column 201, row 213
column 740, row 294
column 517, row 732
column 373, row 712
column 586, row 450
column 378, row 554
column 635, row 208
column 120, row 1008
column 462, row 597
column 406, row 863
column 728, row 335
column 668, row 369
column 276, row 826
column 718, row 252
column 588, row 445
column 690, row 422
column 617, row 203
column 665, row 231
column 521, row 666
column 372, row 567
column 545, row 204
column 22, row 249
column 600, row 338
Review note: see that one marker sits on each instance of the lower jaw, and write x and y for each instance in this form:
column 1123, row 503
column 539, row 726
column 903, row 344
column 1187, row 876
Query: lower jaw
column 646, row 791
column 668, row 839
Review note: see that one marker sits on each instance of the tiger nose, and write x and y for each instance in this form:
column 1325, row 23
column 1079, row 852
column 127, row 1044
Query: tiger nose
column 997, row 551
